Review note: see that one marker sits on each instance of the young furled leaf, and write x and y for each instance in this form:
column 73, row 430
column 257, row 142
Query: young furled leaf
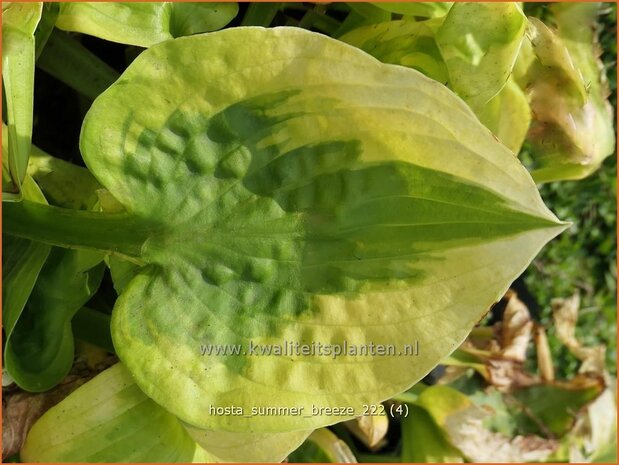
column 293, row 189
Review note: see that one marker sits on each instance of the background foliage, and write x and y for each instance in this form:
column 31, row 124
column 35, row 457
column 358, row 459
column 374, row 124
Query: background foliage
column 583, row 259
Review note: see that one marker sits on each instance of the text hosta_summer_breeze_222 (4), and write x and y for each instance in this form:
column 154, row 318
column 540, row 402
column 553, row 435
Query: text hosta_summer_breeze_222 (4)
column 260, row 185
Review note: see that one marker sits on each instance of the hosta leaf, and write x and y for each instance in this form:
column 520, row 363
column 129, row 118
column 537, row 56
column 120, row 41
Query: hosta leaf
column 508, row 116
column 572, row 131
column 49, row 14
column 479, row 43
column 65, row 58
column 555, row 405
column 122, row 272
column 223, row 446
column 40, row 352
column 19, row 21
column 463, row 424
column 261, row 13
column 423, row 441
column 63, row 183
column 404, row 42
column 93, row 327
column 311, row 195
column 22, row 259
column 420, row 9
column 109, row 419
column 478, row 73
column 323, row 446
column 146, row 23
column 308, row 452
column 370, row 12
column 21, row 263
column 37, row 317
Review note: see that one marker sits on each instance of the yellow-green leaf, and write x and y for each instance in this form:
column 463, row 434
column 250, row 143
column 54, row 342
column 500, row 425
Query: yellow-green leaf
column 19, row 21
column 144, row 23
column 224, row 446
column 313, row 195
column 323, row 446
column 508, row 116
column 109, row 419
column 479, row 43
column 417, row 9
column 405, row 42
column 572, row 130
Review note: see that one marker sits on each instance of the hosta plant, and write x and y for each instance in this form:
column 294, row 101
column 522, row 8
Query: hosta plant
column 262, row 187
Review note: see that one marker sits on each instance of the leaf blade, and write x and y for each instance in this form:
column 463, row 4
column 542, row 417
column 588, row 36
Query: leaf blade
column 144, row 24
column 253, row 251
column 109, row 406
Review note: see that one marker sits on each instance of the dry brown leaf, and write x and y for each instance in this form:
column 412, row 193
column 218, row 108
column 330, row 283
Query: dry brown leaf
column 516, row 329
column 507, row 374
column 565, row 315
column 544, row 358
column 467, row 432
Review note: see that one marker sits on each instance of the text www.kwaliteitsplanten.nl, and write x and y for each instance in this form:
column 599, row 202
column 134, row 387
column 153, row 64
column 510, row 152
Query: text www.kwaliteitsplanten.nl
column 313, row 349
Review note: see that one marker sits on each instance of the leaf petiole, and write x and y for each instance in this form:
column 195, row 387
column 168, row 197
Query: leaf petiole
column 68, row 228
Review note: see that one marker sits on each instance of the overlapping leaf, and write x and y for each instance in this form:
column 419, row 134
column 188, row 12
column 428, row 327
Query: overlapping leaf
column 109, row 419
column 69, row 61
column 479, row 43
column 63, row 183
column 459, row 431
column 403, row 42
column 424, row 441
column 19, row 21
column 40, row 351
column 418, row 9
column 572, row 131
column 472, row 50
column 224, row 446
column 313, row 195
column 323, row 446
column 22, row 261
column 42, row 289
column 508, row 116
column 144, row 23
